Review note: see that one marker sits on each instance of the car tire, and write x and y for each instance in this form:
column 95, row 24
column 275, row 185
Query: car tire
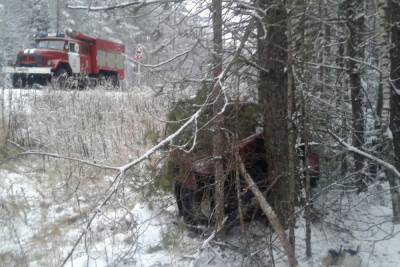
column 101, row 80
column 189, row 204
column 61, row 78
column 18, row 80
column 114, row 80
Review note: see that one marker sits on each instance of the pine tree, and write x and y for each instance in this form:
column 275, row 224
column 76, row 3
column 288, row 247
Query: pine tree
column 39, row 21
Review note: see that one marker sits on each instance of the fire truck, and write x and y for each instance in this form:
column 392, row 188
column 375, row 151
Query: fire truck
column 68, row 59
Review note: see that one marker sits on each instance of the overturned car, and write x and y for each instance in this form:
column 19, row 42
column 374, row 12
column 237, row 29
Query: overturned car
column 195, row 178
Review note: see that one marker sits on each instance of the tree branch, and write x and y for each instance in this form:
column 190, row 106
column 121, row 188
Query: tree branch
column 123, row 5
column 86, row 162
column 161, row 63
column 353, row 149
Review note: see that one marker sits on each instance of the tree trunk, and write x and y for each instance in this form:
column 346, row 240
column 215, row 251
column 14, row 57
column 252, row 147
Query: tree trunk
column 272, row 88
column 394, row 182
column 383, row 106
column 307, row 184
column 355, row 53
column 218, row 138
column 291, row 136
column 304, row 44
column 384, row 64
column 342, row 87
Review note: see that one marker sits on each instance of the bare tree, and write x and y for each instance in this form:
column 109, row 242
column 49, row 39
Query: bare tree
column 394, row 182
column 218, row 138
column 355, row 53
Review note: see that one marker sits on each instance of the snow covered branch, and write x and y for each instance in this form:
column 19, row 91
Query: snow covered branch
column 162, row 63
column 123, row 5
column 82, row 161
column 166, row 61
column 353, row 149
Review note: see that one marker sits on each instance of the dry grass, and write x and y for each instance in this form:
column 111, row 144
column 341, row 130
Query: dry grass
column 106, row 127
column 99, row 125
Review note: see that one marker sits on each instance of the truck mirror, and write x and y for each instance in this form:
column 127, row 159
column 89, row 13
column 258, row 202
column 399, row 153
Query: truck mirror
column 71, row 47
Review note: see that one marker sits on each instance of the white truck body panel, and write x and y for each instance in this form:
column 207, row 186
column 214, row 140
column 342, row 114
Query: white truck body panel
column 27, row 70
column 75, row 62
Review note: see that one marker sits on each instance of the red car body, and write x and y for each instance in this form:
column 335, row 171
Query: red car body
column 252, row 153
column 194, row 178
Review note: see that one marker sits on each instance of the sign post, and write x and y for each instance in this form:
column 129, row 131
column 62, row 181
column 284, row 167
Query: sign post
column 139, row 59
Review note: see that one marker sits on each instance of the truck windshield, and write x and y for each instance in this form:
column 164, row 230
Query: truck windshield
column 51, row 44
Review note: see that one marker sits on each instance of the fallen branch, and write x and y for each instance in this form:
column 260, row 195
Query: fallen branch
column 196, row 256
column 271, row 215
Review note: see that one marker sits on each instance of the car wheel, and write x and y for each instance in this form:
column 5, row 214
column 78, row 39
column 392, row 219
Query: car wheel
column 60, row 78
column 18, row 80
column 189, row 204
column 101, row 80
column 114, row 80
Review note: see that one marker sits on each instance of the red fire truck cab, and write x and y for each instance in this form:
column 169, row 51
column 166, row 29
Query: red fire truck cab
column 71, row 56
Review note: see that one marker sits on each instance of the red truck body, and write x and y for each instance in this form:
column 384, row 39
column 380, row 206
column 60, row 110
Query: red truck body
column 252, row 153
column 194, row 179
column 73, row 54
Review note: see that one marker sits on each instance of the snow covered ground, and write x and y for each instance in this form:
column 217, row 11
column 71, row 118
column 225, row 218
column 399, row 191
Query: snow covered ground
column 355, row 221
column 41, row 220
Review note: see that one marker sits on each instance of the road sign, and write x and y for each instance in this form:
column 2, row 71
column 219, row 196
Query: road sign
column 139, row 54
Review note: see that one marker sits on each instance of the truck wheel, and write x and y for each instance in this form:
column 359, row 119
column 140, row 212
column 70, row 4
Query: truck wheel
column 189, row 204
column 177, row 192
column 18, row 81
column 189, row 209
column 83, row 82
column 31, row 80
column 114, row 80
column 101, row 79
column 60, row 78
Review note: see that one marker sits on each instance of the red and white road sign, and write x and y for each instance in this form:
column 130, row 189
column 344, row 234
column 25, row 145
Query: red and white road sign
column 139, row 54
